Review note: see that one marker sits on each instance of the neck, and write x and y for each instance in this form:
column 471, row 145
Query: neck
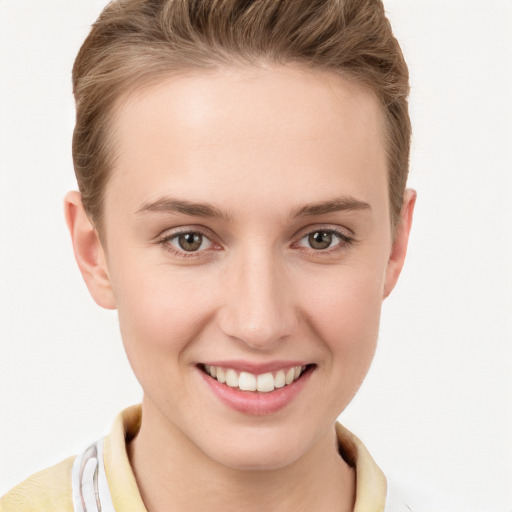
column 170, row 470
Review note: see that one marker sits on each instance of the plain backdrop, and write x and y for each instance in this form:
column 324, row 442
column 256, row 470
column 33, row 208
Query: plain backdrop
column 436, row 408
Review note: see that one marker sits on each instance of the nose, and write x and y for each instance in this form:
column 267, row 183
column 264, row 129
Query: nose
column 259, row 301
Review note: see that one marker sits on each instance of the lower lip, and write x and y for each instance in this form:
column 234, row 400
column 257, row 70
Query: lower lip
column 254, row 402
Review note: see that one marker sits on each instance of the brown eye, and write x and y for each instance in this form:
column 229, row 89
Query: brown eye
column 187, row 243
column 320, row 240
column 190, row 241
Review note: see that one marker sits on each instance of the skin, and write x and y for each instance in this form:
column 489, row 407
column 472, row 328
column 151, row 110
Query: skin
column 258, row 145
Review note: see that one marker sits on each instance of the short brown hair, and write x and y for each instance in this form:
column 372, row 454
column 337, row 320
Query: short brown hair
column 137, row 41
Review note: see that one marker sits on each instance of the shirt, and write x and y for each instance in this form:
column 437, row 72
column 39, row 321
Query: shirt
column 100, row 479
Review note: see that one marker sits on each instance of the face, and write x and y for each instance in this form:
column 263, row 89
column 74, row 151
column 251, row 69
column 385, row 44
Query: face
column 248, row 239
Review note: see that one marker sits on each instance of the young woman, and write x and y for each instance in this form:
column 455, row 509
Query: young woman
column 242, row 169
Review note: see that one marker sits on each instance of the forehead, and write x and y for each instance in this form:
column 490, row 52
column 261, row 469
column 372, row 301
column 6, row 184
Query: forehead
column 249, row 130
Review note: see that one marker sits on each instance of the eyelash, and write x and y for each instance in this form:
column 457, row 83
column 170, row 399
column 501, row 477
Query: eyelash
column 344, row 242
column 165, row 242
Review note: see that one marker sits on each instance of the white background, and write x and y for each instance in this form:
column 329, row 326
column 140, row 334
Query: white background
column 436, row 409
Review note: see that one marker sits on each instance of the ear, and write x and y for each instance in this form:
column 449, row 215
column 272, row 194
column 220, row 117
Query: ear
column 89, row 253
column 399, row 249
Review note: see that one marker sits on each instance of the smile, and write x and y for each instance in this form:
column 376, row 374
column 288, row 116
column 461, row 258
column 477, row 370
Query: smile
column 246, row 381
column 256, row 389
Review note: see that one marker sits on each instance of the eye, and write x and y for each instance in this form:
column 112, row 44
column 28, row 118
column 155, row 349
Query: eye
column 323, row 239
column 188, row 241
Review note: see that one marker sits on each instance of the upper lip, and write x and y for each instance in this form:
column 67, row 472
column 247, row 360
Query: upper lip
column 256, row 368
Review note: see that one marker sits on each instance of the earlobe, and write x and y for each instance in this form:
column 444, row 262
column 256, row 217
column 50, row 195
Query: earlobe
column 89, row 253
column 399, row 249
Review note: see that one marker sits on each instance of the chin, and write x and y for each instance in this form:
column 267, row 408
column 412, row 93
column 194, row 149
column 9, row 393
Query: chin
column 257, row 452
column 258, row 460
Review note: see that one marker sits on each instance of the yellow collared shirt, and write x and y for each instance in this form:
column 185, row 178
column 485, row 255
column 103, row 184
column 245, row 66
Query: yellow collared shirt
column 101, row 479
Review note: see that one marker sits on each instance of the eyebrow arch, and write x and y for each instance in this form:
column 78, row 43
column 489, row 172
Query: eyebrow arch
column 345, row 203
column 171, row 205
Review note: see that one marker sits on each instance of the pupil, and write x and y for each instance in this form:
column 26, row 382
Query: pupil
column 320, row 240
column 190, row 241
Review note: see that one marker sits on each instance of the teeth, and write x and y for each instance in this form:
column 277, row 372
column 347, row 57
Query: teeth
column 280, row 379
column 221, row 375
column 247, row 381
column 264, row 383
column 232, row 378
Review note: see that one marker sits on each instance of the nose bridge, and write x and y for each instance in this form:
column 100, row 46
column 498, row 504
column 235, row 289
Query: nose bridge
column 259, row 303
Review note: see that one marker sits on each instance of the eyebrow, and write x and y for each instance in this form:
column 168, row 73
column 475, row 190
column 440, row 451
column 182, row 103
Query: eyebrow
column 171, row 205
column 344, row 203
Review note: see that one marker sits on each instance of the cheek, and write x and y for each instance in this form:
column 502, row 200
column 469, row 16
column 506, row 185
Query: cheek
column 345, row 314
column 160, row 314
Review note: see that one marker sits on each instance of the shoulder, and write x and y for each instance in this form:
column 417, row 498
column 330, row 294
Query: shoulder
column 48, row 490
